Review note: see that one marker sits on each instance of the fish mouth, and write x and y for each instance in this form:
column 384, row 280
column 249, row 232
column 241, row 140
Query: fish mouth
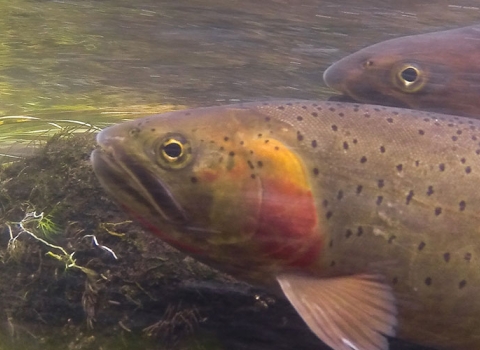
column 129, row 182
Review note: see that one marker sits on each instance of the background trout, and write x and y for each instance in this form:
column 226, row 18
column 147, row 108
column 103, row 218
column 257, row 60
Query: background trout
column 366, row 217
column 436, row 71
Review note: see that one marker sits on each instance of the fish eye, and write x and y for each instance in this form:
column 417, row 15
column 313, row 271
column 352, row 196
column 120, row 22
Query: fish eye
column 173, row 151
column 409, row 78
column 409, row 74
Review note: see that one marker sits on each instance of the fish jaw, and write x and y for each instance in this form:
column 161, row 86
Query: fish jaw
column 242, row 204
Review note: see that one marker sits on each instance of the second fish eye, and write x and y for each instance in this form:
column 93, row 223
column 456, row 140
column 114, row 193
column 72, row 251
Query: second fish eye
column 408, row 78
column 409, row 75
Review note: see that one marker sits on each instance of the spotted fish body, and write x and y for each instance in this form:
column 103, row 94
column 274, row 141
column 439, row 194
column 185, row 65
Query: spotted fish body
column 366, row 216
column 437, row 71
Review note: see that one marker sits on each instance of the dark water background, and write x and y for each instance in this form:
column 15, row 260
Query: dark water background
column 65, row 63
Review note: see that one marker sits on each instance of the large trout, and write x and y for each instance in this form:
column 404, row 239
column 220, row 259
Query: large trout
column 367, row 218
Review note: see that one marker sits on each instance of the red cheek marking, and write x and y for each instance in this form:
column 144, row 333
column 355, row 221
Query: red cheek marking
column 288, row 229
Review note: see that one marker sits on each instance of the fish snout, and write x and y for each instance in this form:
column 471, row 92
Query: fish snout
column 333, row 77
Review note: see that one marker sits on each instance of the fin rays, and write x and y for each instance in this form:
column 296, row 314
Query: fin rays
column 351, row 312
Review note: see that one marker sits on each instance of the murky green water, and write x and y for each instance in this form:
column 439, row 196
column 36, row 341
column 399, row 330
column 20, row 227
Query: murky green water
column 97, row 62
column 91, row 63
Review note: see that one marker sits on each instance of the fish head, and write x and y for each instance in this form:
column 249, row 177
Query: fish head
column 217, row 183
column 398, row 72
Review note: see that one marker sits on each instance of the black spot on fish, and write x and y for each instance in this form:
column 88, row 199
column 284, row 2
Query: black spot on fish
column 363, row 159
column 462, row 205
column 379, row 200
column 463, row 160
column 474, row 138
column 454, row 138
column 259, row 135
column 399, row 167
column 267, row 119
column 331, row 109
column 421, row 132
column 391, row 239
column 417, row 163
column 446, row 257
column 428, row 281
column 340, row 195
column 334, row 127
column 152, row 130
column 380, row 183
column 382, row 149
column 260, row 163
column 421, row 245
column 225, row 138
column 359, row 189
column 328, row 215
column 341, row 114
column 359, row 231
column 348, row 233
column 459, row 132
column 345, row 145
column 438, row 211
column 242, row 143
column 355, row 109
column 468, row 170
column 441, row 166
column 366, row 115
column 231, row 154
column 276, row 148
column 304, row 107
column 314, row 114
column 477, row 151
column 253, row 176
column 390, row 120
column 468, row 257
column 250, row 164
column 315, row 171
column 462, row 284
column 194, row 180
column 314, row 143
column 325, row 203
column 355, row 141
column 430, row 190
column 281, row 108
column 299, row 136
column 409, row 197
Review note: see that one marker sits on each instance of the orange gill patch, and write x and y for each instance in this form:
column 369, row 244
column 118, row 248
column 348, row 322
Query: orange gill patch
column 288, row 228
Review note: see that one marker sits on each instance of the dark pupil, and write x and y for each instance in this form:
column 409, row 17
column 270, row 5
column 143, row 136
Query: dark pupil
column 173, row 150
column 410, row 74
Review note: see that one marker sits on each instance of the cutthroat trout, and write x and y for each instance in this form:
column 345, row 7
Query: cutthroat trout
column 436, row 71
column 365, row 217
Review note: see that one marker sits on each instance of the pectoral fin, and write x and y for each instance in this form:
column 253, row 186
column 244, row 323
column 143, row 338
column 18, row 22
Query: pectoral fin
column 352, row 312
